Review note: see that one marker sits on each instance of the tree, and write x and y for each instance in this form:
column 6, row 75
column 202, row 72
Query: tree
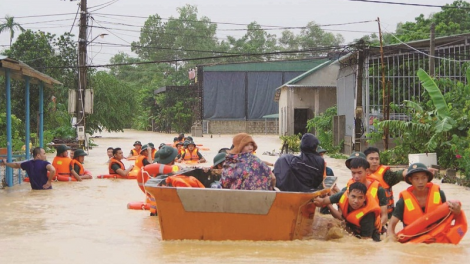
column 10, row 25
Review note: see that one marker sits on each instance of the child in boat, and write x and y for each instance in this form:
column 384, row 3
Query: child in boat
column 243, row 170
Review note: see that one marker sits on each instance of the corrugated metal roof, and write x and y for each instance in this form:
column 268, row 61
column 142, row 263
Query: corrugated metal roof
column 302, row 76
column 266, row 66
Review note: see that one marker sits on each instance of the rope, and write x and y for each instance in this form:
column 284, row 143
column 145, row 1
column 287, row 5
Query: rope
column 401, row 236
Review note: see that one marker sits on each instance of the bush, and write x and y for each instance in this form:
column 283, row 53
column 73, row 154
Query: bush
column 322, row 125
column 291, row 142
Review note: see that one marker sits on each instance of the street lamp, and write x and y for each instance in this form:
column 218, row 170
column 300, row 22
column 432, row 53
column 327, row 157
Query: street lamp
column 100, row 35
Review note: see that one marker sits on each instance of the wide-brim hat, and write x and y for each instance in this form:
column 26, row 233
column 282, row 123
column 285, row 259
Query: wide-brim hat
column 353, row 156
column 78, row 153
column 137, row 143
column 61, row 149
column 144, row 148
column 151, row 145
column 219, row 158
column 417, row 167
column 240, row 141
column 166, row 155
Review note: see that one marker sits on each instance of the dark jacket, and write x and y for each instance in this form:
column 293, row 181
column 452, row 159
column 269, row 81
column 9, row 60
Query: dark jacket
column 303, row 173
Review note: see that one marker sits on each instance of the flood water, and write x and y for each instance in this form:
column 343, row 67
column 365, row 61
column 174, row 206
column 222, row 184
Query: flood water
column 88, row 222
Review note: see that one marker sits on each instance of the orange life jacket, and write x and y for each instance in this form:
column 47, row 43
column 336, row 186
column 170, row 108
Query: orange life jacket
column 72, row 166
column 135, row 152
column 153, row 153
column 378, row 175
column 183, row 181
column 372, row 189
column 62, row 165
column 354, row 217
column 412, row 210
column 114, row 161
column 139, row 162
column 188, row 155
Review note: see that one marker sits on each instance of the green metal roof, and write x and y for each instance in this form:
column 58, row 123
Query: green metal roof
column 302, row 76
column 266, row 66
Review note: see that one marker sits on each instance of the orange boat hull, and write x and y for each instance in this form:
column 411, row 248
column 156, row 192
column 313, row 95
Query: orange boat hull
column 219, row 214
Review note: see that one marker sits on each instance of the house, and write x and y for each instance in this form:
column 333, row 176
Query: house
column 237, row 96
column 306, row 96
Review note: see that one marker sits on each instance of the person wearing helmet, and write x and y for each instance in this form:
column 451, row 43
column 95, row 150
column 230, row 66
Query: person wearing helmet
column 136, row 150
column 144, row 158
column 76, row 165
column 191, row 153
column 181, row 149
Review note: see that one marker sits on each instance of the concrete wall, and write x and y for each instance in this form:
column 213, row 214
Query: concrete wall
column 271, row 126
column 316, row 99
column 324, row 77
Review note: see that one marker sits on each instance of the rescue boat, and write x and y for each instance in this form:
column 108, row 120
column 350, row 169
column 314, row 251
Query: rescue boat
column 223, row 214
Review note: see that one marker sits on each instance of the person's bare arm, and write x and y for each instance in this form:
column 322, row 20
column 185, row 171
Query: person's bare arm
column 14, row 165
column 335, row 213
column 322, row 201
column 124, row 173
column 75, row 174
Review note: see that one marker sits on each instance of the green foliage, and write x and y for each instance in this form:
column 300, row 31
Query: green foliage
column 16, row 127
column 115, row 104
column 292, row 142
column 440, row 124
column 323, row 127
column 10, row 25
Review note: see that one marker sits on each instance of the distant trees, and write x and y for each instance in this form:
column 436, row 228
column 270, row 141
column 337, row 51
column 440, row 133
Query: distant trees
column 10, row 25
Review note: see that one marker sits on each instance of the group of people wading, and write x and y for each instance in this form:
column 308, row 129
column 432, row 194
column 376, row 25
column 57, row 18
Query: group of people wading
column 366, row 204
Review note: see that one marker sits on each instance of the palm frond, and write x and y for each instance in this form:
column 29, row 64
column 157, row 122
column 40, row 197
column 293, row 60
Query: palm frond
column 435, row 94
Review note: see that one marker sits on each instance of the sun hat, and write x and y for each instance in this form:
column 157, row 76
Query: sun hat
column 240, row 141
column 320, row 150
column 61, row 149
column 166, row 155
column 219, row 158
column 137, row 143
column 354, row 155
column 78, row 153
column 144, row 147
column 418, row 167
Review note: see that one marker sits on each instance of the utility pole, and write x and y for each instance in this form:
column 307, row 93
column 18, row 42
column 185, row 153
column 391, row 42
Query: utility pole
column 82, row 71
column 384, row 99
column 431, row 49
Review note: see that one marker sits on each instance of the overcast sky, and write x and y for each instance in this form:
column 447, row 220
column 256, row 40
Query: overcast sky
column 289, row 13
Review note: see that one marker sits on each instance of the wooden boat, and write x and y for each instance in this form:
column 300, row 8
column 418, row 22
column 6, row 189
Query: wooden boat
column 222, row 214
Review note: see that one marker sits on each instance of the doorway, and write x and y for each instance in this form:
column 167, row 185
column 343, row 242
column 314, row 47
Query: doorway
column 300, row 121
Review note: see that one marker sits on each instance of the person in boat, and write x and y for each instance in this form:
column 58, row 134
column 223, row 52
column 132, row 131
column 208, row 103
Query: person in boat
column 61, row 161
column 421, row 198
column 161, row 145
column 245, row 171
column 152, row 150
column 322, row 151
column 360, row 211
column 116, row 166
column 359, row 169
column 136, row 150
column 76, row 165
column 384, row 176
column 216, row 169
column 37, row 169
column 144, row 158
column 224, row 150
column 109, row 151
column 191, row 153
column 303, row 173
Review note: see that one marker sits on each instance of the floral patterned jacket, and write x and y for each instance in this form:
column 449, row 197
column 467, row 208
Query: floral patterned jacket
column 245, row 171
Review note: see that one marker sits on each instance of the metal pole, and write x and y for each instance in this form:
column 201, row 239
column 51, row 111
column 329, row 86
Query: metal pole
column 27, row 119
column 82, row 70
column 8, row 170
column 41, row 115
column 431, row 50
column 385, row 136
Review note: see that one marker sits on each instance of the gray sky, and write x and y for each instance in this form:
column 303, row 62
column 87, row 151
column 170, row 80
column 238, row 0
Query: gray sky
column 289, row 13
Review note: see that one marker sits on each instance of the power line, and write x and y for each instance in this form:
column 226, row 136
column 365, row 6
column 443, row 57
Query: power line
column 202, row 58
column 108, row 4
column 76, row 14
column 100, row 4
column 409, row 4
column 63, row 14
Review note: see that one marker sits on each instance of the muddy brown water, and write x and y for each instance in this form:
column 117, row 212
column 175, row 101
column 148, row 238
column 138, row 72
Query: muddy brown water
column 88, row 222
